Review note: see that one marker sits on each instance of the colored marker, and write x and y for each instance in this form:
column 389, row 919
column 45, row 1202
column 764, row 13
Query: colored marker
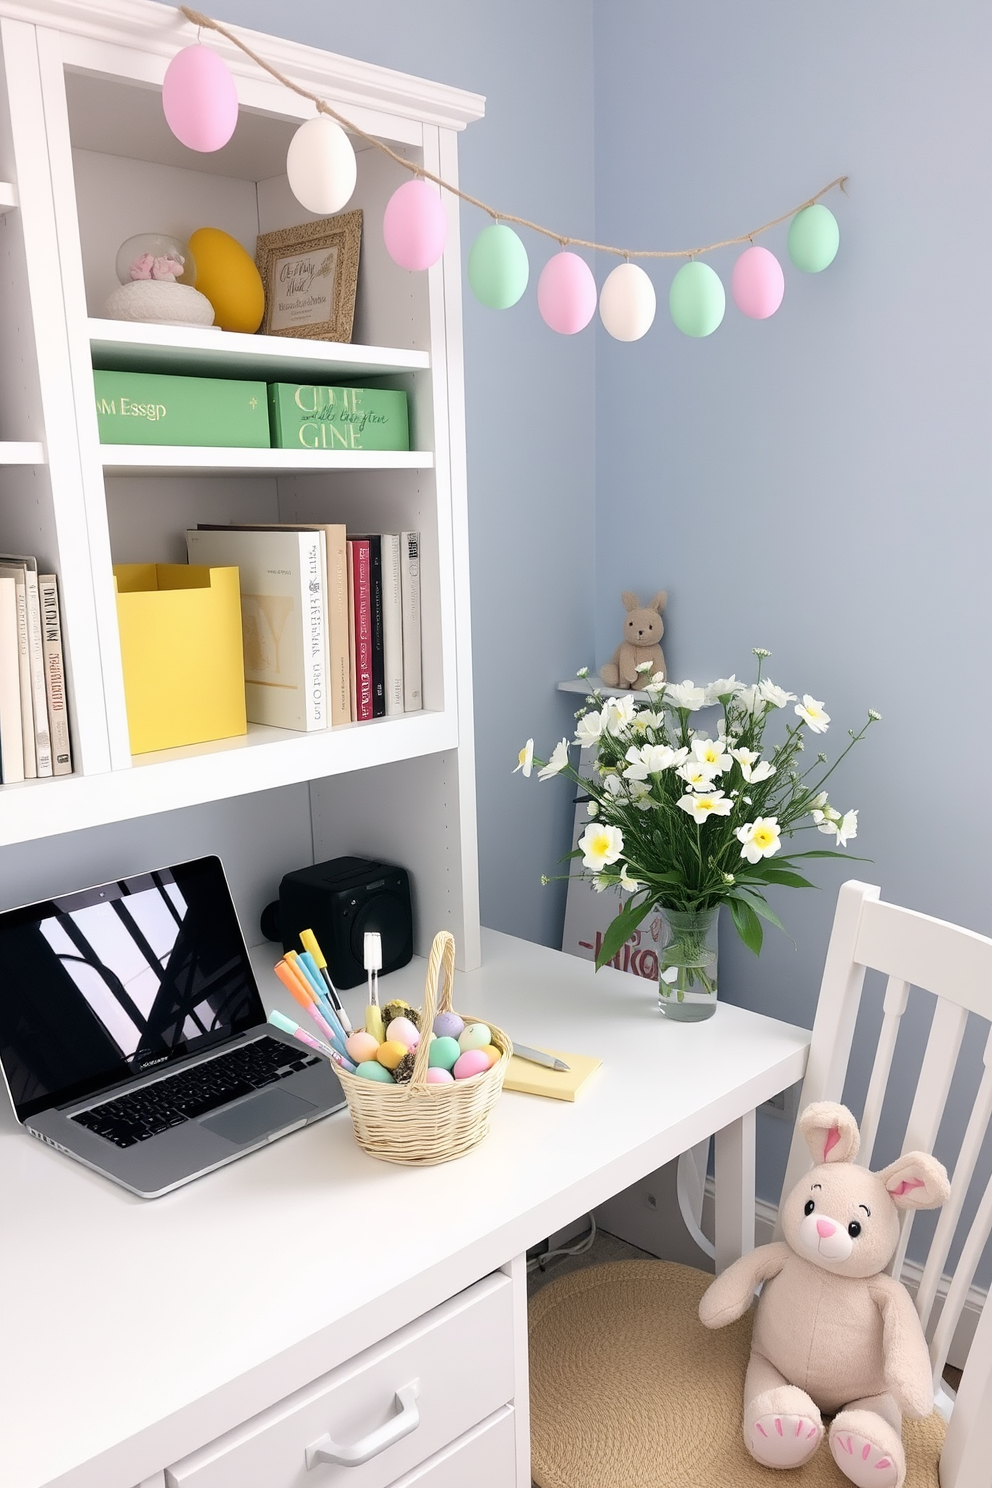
column 316, row 985
column 300, row 991
column 312, row 945
column 286, row 1025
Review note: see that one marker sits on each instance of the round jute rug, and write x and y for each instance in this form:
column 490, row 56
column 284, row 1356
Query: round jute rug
column 629, row 1390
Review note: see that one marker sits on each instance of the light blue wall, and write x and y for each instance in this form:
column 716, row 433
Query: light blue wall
column 818, row 483
column 529, row 393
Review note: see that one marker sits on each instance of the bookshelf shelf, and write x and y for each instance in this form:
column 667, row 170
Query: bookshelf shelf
column 137, row 459
column 124, row 346
column 199, row 773
column 21, row 452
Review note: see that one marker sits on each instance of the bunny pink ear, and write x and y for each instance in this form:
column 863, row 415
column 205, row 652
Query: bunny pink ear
column 630, row 601
column 831, row 1132
column 916, row 1181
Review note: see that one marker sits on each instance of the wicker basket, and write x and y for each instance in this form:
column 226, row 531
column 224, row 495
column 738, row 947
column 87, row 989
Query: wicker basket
column 419, row 1123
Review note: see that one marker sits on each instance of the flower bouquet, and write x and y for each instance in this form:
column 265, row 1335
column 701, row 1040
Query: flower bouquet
column 684, row 819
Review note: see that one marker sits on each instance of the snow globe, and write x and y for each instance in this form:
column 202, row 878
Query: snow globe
column 157, row 274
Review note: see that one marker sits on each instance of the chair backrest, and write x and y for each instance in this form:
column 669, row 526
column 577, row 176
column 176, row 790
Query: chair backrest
column 955, row 965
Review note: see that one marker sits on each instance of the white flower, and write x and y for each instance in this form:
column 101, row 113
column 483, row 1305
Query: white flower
column 637, row 790
column 650, row 759
column 657, row 683
column 589, row 728
column 558, row 761
column 525, row 759
column 686, row 695
column 811, row 712
column 696, row 774
column 710, row 752
column 583, row 672
column 776, row 696
column 646, row 719
column 612, row 785
column 847, row 829
column 710, row 803
column 751, row 700
column 626, row 882
column 721, row 688
column 759, row 838
column 753, row 768
column 826, row 818
column 618, row 713
column 592, row 808
column 600, row 883
column 600, row 845
column 820, row 800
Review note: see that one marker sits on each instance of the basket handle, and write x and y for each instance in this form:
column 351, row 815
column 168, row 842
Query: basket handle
column 442, row 957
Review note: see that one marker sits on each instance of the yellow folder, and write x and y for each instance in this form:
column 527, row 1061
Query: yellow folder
column 537, row 1079
column 182, row 653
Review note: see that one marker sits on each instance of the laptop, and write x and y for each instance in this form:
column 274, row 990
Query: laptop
column 133, row 1037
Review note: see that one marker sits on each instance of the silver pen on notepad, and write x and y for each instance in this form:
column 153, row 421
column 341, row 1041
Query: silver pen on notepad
column 538, row 1056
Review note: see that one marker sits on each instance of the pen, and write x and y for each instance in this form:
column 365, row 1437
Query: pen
column 286, row 1025
column 538, row 1056
column 311, row 944
column 373, row 964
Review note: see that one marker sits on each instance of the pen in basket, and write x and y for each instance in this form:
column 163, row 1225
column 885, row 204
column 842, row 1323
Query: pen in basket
column 373, row 965
column 311, row 947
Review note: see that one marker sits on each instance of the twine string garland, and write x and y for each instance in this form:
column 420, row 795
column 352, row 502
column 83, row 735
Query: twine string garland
column 198, row 19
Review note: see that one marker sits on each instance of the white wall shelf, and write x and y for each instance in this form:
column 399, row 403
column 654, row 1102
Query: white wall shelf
column 586, row 685
column 137, row 459
column 197, row 773
column 8, row 197
column 21, row 452
column 125, row 346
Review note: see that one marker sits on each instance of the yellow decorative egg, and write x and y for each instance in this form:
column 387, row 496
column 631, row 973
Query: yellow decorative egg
column 390, row 1053
column 227, row 275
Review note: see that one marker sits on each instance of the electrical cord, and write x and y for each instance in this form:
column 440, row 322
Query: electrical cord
column 540, row 1263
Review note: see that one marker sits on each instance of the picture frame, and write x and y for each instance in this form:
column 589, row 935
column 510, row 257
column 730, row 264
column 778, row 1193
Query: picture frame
column 310, row 277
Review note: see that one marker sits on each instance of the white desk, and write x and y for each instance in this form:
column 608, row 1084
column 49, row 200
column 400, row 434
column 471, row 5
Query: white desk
column 135, row 1332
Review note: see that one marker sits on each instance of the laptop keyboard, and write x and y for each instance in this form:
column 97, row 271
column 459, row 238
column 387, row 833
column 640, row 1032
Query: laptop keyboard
column 193, row 1092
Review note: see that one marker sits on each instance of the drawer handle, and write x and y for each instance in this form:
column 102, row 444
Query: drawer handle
column 406, row 1419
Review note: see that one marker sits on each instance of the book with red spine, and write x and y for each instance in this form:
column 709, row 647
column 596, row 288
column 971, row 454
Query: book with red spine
column 361, row 587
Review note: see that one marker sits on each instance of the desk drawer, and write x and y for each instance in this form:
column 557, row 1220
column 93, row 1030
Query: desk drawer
column 484, row 1457
column 451, row 1368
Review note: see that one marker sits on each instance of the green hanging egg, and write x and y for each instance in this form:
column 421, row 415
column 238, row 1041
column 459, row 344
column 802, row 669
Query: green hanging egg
column 814, row 238
column 498, row 269
column 697, row 299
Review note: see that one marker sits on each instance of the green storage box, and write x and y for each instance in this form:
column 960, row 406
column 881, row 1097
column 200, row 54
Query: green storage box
column 337, row 418
column 151, row 408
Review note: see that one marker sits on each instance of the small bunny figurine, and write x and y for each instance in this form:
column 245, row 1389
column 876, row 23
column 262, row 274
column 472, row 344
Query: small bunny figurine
column 642, row 632
column 832, row 1332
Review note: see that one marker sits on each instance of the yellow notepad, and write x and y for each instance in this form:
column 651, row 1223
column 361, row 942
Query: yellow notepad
column 537, row 1079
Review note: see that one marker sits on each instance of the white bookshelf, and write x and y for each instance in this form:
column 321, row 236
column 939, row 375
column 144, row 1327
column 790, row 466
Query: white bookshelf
column 91, row 162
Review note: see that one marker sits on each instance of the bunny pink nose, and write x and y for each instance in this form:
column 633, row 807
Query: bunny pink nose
column 825, row 1227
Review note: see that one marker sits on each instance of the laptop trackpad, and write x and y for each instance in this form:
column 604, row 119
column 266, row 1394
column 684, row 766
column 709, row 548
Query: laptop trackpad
column 268, row 1112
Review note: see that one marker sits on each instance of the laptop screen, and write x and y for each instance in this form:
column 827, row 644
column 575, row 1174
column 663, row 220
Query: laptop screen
column 101, row 985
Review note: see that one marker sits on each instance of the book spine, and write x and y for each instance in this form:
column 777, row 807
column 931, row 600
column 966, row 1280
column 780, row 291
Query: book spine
column 36, row 657
column 312, row 602
column 363, row 628
column 392, row 623
column 11, row 748
column 352, row 648
column 413, row 698
column 28, row 755
column 51, row 634
column 375, row 602
column 337, row 607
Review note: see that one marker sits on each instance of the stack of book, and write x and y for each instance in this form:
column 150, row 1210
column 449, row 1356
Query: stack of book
column 34, row 720
column 331, row 622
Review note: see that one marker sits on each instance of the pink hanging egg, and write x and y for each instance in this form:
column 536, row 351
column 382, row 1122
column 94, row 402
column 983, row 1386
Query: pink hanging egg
column 757, row 283
column 415, row 225
column 566, row 293
column 199, row 99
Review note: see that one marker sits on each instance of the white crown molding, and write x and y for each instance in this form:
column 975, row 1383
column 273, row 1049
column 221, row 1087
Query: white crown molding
column 162, row 29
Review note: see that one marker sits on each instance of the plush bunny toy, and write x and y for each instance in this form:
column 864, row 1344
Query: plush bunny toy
column 831, row 1331
column 642, row 632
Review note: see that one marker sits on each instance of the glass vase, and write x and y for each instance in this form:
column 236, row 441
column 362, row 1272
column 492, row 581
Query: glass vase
column 687, row 976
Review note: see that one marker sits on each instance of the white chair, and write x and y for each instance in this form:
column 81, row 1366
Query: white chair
column 955, row 965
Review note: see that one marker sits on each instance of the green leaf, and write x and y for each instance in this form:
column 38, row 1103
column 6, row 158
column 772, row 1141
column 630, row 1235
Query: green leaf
column 783, row 876
column 747, row 925
column 759, row 906
column 621, row 929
